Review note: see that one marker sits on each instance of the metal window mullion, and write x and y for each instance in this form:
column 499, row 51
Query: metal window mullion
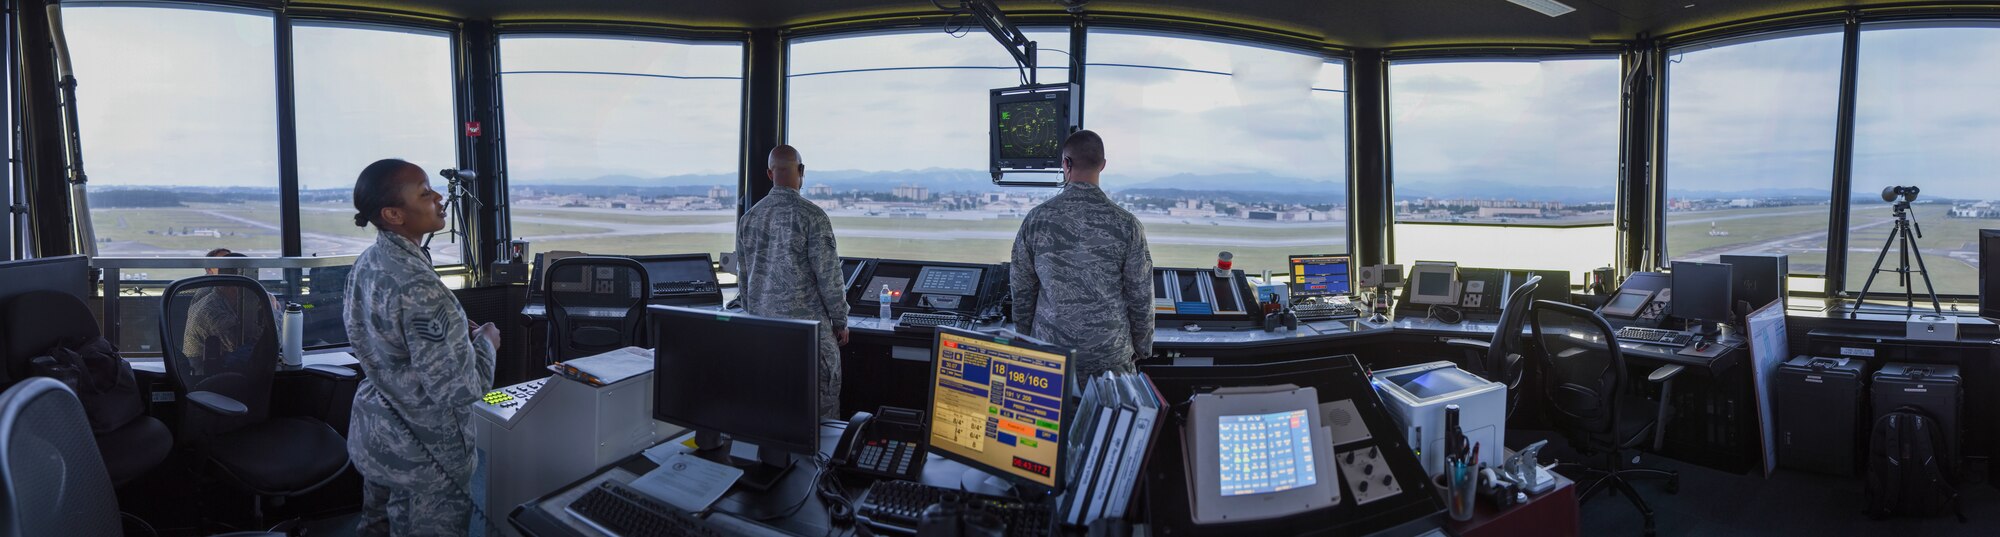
column 1843, row 163
column 288, row 142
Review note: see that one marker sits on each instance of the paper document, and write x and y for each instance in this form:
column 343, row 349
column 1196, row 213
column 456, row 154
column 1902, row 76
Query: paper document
column 688, row 482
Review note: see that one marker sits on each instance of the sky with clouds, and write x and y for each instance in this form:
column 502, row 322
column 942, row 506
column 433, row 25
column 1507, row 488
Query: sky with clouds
column 184, row 97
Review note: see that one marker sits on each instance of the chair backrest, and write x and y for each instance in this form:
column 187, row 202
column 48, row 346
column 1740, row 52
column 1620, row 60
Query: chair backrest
column 1507, row 338
column 52, row 479
column 219, row 334
column 596, row 304
column 1581, row 367
column 39, row 320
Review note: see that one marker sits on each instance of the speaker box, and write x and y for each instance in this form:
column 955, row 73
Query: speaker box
column 1760, row 278
column 1989, row 274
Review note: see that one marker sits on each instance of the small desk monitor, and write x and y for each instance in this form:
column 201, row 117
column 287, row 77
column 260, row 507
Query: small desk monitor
column 1627, row 303
column 1016, row 433
column 1320, row 275
column 1434, row 282
column 1702, row 292
column 1258, row 453
column 753, row 378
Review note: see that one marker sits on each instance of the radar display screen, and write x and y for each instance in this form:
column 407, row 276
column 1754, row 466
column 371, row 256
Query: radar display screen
column 1031, row 129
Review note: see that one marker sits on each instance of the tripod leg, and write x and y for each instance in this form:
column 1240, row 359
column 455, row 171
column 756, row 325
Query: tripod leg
column 1879, row 257
column 1925, row 271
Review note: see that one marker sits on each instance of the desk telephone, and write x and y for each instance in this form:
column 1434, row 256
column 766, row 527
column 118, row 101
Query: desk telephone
column 887, row 444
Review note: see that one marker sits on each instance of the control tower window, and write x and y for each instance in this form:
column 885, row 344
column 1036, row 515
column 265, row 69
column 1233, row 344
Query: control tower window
column 178, row 113
column 1508, row 162
column 1750, row 134
column 893, row 129
column 622, row 145
column 348, row 118
column 1222, row 145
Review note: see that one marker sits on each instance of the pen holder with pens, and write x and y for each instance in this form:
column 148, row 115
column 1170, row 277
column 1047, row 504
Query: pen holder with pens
column 1460, row 482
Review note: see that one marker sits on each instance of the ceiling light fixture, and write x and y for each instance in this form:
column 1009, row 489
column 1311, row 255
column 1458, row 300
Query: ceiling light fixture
column 1551, row 8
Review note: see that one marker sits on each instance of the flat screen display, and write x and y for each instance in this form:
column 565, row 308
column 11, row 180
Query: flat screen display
column 873, row 292
column 1434, row 283
column 1265, row 453
column 946, row 281
column 999, row 406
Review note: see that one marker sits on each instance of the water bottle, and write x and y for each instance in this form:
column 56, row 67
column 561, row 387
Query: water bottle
column 885, row 299
column 295, row 336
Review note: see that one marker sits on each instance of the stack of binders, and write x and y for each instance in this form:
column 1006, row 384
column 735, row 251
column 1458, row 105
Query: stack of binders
column 1118, row 420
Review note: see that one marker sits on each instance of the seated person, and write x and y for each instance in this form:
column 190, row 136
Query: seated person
column 216, row 328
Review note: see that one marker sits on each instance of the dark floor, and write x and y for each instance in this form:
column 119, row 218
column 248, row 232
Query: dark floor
column 1717, row 503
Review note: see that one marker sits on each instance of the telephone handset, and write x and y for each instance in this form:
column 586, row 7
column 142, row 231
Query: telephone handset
column 889, row 443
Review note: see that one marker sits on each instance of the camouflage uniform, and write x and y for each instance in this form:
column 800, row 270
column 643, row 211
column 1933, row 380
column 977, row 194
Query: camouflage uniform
column 1082, row 278
column 416, row 455
column 213, row 315
column 788, row 268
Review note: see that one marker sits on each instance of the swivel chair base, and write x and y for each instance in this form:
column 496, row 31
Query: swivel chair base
column 1618, row 479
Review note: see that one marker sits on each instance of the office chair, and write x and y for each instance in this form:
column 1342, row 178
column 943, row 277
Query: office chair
column 221, row 346
column 595, row 304
column 40, row 320
column 1499, row 360
column 1583, row 376
column 50, row 478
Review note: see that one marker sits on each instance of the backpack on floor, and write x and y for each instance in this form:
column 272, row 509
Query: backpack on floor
column 1905, row 474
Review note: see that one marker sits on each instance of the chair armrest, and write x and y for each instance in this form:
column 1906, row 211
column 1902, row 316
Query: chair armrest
column 332, row 372
column 217, row 403
column 1469, row 343
column 1566, row 353
column 1665, row 373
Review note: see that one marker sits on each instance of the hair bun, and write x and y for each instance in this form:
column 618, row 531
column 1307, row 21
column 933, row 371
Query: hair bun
column 360, row 220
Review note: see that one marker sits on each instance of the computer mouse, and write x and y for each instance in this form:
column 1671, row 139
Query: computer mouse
column 1701, row 346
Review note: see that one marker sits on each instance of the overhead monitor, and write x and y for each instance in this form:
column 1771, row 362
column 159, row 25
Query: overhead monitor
column 999, row 404
column 1320, row 275
column 1702, row 292
column 1434, row 283
column 1029, row 126
column 753, row 378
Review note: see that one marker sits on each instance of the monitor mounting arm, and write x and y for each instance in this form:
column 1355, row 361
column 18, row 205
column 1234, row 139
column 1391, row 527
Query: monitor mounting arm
column 1004, row 31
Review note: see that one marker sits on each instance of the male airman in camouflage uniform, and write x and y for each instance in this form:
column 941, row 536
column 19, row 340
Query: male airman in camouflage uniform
column 787, row 267
column 1081, row 275
column 411, row 435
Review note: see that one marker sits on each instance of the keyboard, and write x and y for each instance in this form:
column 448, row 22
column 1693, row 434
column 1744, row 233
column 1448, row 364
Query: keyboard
column 914, row 320
column 899, row 506
column 1655, row 336
column 619, row 510
column 1319, row 311
column 681, row 288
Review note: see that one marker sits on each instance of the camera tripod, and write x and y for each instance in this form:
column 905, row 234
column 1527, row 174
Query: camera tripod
column 1904, row 238
column 458, row 194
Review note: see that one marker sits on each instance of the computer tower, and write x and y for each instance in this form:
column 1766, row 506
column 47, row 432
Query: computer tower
column 1818, row 404
column 1759, row 278
column 1937, row 389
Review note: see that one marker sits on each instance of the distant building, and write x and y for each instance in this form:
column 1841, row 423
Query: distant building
column 819, row 191
column 717, row 192
column 1745, row 203
column 912, row 192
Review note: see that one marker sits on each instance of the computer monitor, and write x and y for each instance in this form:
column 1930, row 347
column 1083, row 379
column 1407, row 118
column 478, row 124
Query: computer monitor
column 1434, row 283
column 1016, row 434
column 1320, row 275
column 1989, row 273
column 1702, row 292
column 1030, row 124
column 753, row 378
column 676, row 273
